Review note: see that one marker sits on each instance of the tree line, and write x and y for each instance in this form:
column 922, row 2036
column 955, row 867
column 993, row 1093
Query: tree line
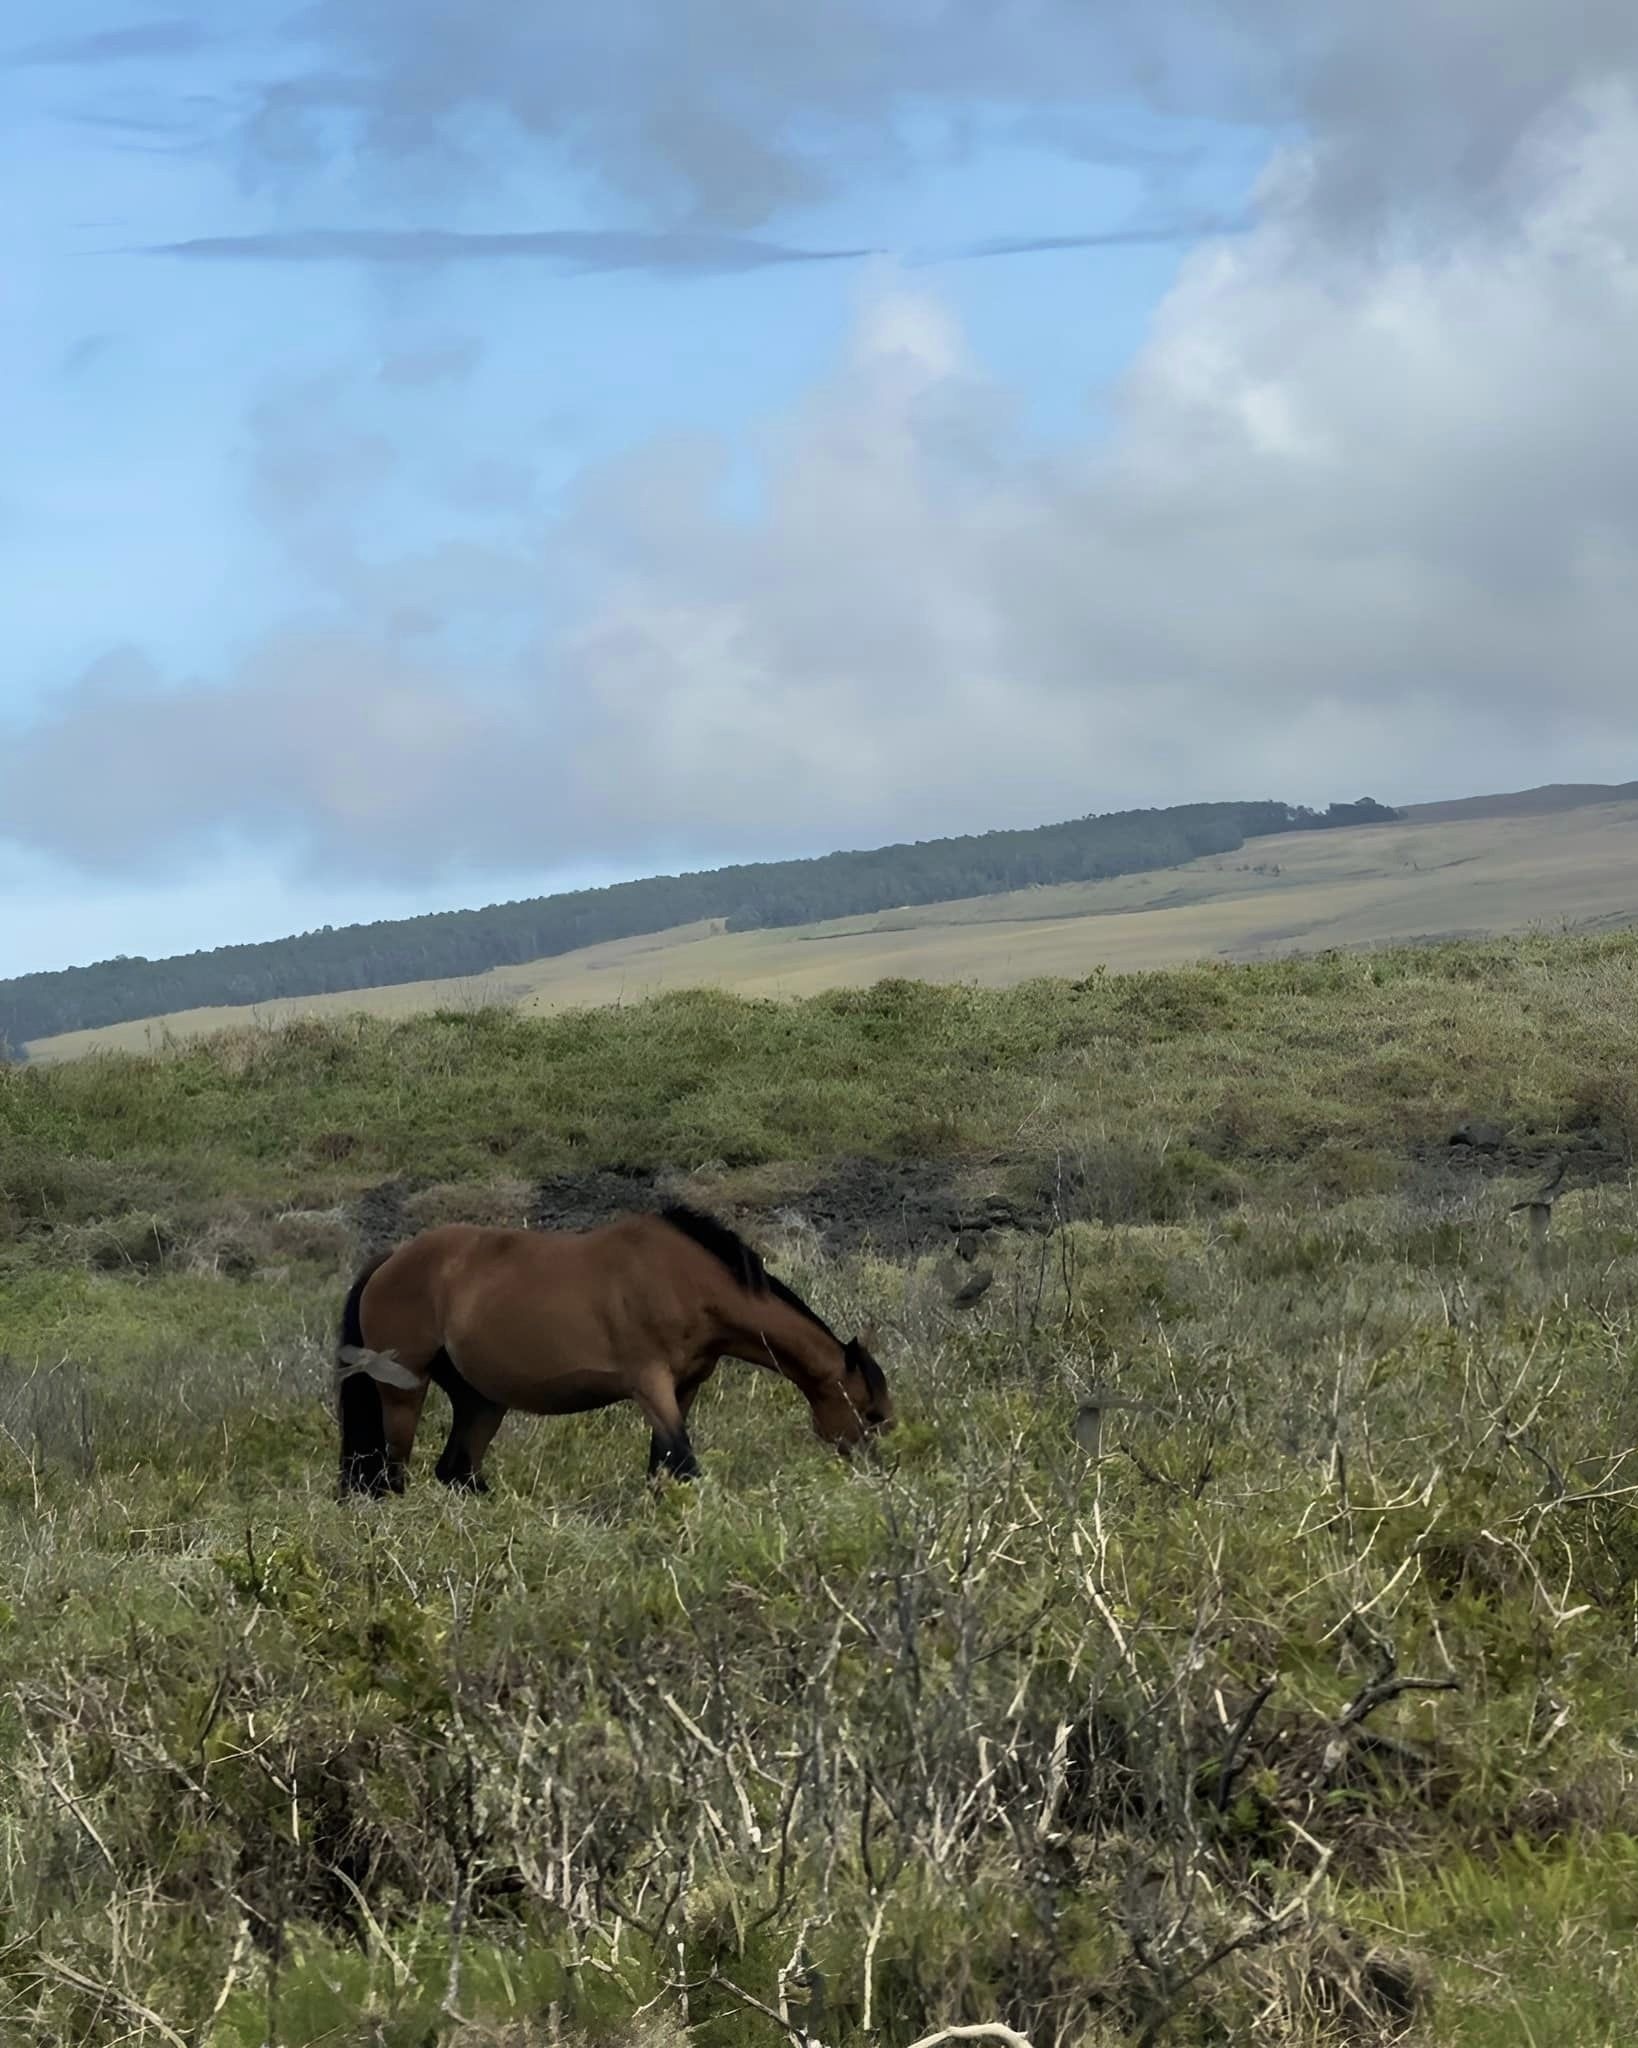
column 453, row 943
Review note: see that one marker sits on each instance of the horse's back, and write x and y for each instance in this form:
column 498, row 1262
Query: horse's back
column 560, row 1321
column 622, row 1283
column 632, row 1284
column 410, row 1291
column 432, row 1251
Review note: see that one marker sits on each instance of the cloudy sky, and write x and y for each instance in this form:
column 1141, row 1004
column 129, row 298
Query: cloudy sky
column 458, row 451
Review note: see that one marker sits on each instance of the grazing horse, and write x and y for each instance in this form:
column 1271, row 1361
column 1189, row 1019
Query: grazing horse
column 556, row 1322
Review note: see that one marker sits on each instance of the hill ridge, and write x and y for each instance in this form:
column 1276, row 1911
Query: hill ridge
column 1545, row 798
column 447, row 945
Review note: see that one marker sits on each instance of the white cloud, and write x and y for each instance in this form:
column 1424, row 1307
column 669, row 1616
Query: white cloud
column 1364, row 518
column 1358, row 523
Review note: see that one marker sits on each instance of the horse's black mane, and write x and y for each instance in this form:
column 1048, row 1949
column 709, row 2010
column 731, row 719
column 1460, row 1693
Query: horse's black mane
column 729, row 1249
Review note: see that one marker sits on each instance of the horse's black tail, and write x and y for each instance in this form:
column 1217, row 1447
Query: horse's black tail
column 358, row 1400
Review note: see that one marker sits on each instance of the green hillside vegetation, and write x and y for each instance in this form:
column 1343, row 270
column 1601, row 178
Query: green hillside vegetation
column 1301, row 891
column 467, row 942
column 1296, row 1705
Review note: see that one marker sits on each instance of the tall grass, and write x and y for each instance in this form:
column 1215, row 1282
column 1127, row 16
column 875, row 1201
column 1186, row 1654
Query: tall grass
column 1296, row 1705
column 1277, row 1060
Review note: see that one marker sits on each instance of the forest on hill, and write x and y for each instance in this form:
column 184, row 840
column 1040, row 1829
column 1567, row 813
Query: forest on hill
column 445, row 944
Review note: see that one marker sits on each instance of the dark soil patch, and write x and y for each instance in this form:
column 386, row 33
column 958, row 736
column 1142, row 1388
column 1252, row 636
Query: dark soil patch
column 581, row 1201
column 381, row 1217
column 1485, row 1150
column 903, row 1208
column 896, row 1208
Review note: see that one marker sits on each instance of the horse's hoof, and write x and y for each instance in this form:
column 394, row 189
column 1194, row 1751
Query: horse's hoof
column 366, row 1484
column 463, row 1482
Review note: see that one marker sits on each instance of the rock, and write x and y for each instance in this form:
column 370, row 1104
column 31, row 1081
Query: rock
column 1479, row 1136
column 974, row 1289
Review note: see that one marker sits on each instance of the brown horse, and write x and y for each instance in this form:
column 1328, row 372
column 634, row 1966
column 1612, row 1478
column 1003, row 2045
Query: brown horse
column 556, row 1322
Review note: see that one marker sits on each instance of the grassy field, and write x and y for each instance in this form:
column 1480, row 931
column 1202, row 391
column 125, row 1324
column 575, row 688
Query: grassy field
column 1299, row 1707
column 1438, row 877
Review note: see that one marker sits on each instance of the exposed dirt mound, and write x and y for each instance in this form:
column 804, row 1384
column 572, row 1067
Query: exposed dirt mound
column 381, row 1216
column 1485, row 1149
column 580, row 1201
column 899, row 1209
column 905, row 1208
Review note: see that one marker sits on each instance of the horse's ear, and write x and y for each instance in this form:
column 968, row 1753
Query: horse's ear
column 866, row 1339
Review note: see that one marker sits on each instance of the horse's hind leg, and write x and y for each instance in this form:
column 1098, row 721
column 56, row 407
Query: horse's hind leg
column 401, row 1412
column 471, row 1430
column 666, row 1405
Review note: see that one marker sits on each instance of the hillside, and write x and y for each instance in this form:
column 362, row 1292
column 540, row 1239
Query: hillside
column 1525, row 803
column 1300, row 891
column 767, row 894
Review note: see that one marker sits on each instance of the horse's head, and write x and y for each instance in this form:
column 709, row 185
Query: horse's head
column 852, row 1410
column 866, row 1384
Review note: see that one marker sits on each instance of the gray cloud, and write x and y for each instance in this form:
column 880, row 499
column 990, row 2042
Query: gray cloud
column 79, row 356
column 140, row 42
column 319, row 485
column 327, row 743
column 1158, row 234
column 315, row 478
column 142, row 123
column 727, row 112
column 491, row 484
column 575, row 249
column 590, row 250
column 437, row 362
column 188, row 124
column 1351, row 523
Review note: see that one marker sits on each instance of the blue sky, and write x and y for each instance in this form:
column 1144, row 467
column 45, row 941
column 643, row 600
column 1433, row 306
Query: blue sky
column 352, row 578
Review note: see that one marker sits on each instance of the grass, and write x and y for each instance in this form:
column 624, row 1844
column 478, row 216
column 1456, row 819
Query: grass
column 1112, row 1748
column 1321, row 1065
column 1444, row 877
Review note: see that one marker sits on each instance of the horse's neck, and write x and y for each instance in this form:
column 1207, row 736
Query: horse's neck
column 777, row 1333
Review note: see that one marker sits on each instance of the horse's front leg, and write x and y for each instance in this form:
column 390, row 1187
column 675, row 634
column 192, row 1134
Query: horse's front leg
column 666, row 1405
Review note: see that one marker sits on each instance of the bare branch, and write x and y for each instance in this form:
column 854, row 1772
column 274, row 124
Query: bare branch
column 1229, row 1768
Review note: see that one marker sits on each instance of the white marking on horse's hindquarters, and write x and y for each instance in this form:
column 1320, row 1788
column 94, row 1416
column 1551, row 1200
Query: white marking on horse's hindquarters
column 380, row 1365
